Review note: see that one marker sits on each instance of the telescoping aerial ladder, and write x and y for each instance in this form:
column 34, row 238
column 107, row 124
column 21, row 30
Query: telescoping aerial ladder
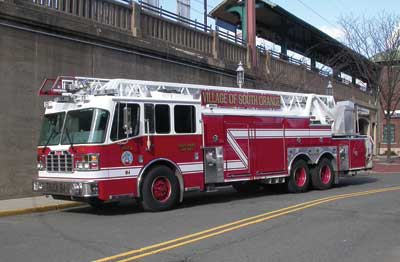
column 319, row 108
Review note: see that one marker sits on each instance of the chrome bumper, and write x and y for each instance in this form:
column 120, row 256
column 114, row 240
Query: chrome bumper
column 70, row 188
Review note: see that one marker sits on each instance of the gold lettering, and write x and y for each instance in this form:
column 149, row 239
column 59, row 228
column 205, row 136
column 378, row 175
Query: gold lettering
column 232, row 99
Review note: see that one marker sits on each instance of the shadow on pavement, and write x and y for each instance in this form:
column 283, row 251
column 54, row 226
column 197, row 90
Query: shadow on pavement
column 125, row 207
column 357, row 180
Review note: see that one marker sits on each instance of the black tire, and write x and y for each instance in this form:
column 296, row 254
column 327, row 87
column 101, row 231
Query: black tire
column 299, row 178
column 323, row 175
column 160, row 190
column 247, row 187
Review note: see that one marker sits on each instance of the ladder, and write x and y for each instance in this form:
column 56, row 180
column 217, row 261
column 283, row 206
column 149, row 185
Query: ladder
column 316, row 106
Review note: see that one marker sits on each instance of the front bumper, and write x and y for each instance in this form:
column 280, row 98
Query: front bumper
column 66, row 188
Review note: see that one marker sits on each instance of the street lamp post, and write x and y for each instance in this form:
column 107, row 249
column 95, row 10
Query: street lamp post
column 240, row 75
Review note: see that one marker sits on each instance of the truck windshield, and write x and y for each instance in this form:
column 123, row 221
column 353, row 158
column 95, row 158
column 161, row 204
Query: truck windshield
column 85, row 126
column 51, row 129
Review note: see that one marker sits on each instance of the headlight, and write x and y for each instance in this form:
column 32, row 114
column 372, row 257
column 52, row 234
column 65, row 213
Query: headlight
column 88, row 162
column 40, row 166
column 40, row 163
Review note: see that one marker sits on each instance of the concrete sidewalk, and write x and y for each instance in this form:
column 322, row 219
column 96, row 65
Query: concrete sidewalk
column 382, row 166
column 26, row 205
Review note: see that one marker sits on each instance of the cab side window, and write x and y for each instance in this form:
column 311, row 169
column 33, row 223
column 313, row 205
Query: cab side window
column 163, row 121
column 185, row 119
column 158, row 117
column 117, row 129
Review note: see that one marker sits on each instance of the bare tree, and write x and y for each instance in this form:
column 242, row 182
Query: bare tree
column 375, row 39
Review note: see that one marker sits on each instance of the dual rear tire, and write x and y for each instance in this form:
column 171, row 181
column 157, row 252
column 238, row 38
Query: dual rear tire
column 301, row 176
column 323, row 175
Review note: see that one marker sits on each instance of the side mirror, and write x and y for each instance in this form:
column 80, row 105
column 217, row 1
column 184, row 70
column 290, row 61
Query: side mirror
column 127, row 116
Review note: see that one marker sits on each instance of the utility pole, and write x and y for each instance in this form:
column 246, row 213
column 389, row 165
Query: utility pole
column 205, row 15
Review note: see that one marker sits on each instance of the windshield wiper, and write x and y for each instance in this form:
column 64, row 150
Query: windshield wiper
column 53, row 132
column 69, row 138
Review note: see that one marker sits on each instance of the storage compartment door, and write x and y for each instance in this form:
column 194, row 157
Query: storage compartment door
column 357, row 153
column 268, row 149
column 237, row 150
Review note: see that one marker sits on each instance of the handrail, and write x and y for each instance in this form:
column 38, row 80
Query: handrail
column 227, row 36
column 192, row 23
column 164, row 13
column 295, row 61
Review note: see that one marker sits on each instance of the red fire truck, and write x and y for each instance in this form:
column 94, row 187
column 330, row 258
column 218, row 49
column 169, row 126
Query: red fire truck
column 107, row 139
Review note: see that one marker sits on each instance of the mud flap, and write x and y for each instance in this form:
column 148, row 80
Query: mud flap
column 336, row 178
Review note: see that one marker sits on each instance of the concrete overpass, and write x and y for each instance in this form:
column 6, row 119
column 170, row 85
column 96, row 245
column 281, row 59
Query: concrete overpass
column 102, row 38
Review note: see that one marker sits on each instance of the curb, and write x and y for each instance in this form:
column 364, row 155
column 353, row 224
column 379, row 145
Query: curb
column 38, row 209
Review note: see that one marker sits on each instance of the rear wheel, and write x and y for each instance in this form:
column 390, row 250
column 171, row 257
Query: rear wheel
column 160, row 189
column 323, row 175
column 299, row 178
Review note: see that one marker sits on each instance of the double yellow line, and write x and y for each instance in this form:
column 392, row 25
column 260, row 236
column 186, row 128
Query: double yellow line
column 215, row 231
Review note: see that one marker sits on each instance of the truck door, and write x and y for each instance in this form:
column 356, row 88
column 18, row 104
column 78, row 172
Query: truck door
column 237, row 150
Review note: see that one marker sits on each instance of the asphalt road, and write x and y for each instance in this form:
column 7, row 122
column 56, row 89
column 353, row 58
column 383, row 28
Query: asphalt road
column 356, row 227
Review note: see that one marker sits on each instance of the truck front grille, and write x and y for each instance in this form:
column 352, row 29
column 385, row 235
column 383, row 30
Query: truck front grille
column 59, row 161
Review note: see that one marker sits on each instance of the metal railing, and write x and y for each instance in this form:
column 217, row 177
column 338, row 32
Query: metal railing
column 233, row 38
column 299, row 62
column 172, row 16
column 155, row 26
column 191, row 23
column 108, row 12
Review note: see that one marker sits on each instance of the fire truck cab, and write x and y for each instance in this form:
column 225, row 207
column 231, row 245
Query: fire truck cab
column 107, row 139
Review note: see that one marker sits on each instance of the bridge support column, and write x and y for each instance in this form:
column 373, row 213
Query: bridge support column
column 251, row 33
column 284, row 49
column 135, row 20
column 215, row 45
column 313, row 63
column 353, row 81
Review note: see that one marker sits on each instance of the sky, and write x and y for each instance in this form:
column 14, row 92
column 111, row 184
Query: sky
column 322, row 14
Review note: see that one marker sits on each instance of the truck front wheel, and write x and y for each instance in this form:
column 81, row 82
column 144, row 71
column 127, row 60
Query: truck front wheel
column 299, row 178
column 160, row 189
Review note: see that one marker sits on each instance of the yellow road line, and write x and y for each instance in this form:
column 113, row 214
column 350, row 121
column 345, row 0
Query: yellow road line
column 234, row 226
column 201, row 232
column 207, row 231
